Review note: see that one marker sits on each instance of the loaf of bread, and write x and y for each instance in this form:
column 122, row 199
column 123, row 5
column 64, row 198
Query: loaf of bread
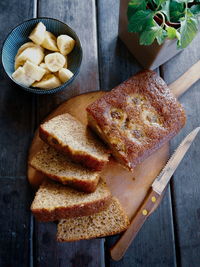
column 137, row 117
column 69, row 136
column 54, row 201
column 111, row 221
column 58, row 167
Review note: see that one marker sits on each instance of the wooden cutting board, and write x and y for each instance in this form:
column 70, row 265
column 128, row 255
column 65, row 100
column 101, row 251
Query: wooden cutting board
column 129, row 188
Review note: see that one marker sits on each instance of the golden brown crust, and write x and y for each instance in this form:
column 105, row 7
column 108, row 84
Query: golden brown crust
column 137, row 117
column 88, row 186
column 85, row 159
column 45, row 215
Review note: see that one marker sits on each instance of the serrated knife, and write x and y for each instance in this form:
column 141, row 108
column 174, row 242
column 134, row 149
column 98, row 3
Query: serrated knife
column 151, row 200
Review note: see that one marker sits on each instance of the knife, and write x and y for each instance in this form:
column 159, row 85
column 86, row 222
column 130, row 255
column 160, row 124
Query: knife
column 154, row 194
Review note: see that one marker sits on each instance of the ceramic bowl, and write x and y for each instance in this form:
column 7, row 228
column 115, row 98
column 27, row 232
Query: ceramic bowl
column 19, row 35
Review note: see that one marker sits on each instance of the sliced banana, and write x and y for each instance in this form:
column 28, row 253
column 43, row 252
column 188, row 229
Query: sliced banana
column 50, row 42
column 49, row 81
column 38, row 34
column 66, row 63
column 44, row 66
column 64, row 75
column 24, row 46
column 33, row 54
column 65, row 44
column 54, row 61
column 20, row 76
column 33, row 71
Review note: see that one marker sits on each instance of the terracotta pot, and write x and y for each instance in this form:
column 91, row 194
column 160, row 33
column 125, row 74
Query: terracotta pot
column 149, row 56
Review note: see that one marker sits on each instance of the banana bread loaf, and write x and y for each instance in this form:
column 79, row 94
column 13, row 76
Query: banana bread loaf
column 137, row 117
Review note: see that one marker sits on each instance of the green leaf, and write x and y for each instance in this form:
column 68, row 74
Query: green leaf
column 177, row 10
column 171, row 32
column 165, row 9
column 188, row 30
column 135, row 5
column 195, row 9
column 139, row 21
column 148, row 36
column 159, row 2
column 161, row 36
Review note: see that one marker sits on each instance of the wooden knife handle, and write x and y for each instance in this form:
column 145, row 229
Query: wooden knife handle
column 120, row 247
column 184, row 82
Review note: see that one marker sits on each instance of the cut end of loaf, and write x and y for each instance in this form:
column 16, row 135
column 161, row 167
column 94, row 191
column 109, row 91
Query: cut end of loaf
column 54, row 201
column 71, row 137
column 111, row 221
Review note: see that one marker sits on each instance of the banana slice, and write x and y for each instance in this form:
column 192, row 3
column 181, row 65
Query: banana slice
column 66, row 63
column 49, row 81
column 38, row 34
column 20, row 76
column 33, row 71
column 54, row 61
column 44, row 66
column 50, row 42
column 33, row 54
column 64, row 75
column 65, row 44
column 24, row 46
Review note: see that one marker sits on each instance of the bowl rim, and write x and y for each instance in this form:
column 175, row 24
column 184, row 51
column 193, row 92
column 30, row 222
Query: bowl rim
column 44, row 91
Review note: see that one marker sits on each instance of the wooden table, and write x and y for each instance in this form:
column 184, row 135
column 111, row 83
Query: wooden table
column 171, row 236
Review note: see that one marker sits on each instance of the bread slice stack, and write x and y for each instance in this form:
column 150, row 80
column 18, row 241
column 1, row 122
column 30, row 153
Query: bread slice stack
column 74, row 192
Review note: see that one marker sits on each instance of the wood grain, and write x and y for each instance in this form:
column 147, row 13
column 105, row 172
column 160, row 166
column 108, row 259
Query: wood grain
column 16, row 106
column 185, row 184
column 17, row 123
column 15, row 199
column 185, row 81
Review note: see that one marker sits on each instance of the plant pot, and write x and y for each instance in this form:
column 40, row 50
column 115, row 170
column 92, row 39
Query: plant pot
column 151, row 56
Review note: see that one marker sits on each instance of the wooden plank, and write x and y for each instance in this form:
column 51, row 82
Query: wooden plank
column 154, row 244
column 50, row 253
column 16, row 106
column 81, row 16
column 15, row 197
column 116, row 63
column 16, row 124
column 185, row 184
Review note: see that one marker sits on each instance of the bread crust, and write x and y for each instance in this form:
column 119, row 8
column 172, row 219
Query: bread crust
column 45, row 215
column 154, row 97
column 88, row 186
column 77, row 156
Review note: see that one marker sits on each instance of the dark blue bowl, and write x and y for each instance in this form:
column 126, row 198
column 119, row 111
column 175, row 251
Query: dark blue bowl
column 19, row 35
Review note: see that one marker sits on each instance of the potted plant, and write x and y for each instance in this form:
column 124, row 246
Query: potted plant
column 156, row 30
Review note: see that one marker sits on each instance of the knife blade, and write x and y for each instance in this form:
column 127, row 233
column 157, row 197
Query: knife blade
column 163, row 178
column 154, row 194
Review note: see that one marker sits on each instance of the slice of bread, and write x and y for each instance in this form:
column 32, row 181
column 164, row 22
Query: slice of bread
column 58, row 167
column 54, row 201
column 111, row 221
column 68, row 135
